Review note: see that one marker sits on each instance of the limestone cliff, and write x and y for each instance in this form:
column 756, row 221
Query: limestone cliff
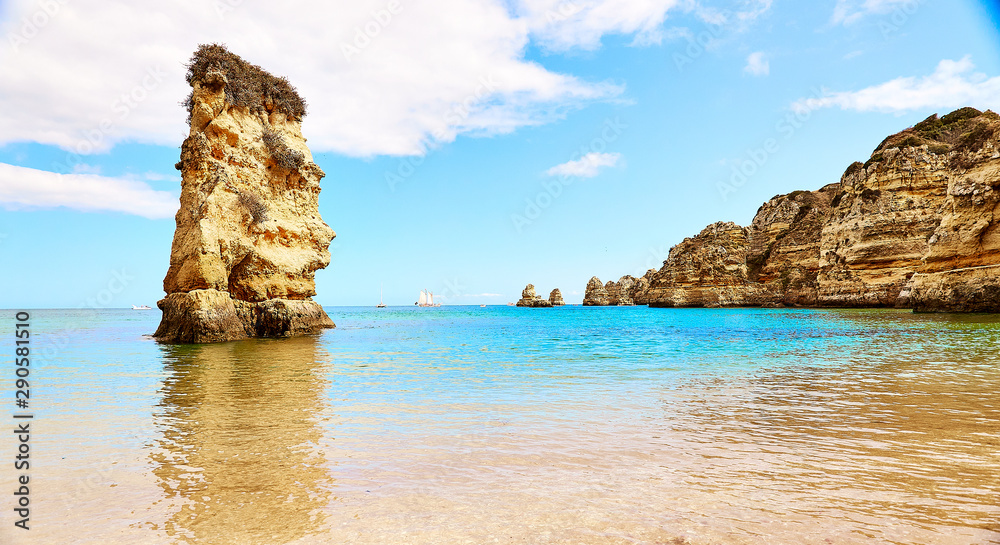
column 640, row 289
column 917, row 226
column 249, row 236
column 530, row 299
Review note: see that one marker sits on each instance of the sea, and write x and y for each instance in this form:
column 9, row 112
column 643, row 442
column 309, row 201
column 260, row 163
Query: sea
column 471, row 425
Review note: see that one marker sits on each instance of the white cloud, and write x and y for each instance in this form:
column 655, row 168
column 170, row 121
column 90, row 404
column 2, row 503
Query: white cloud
column 431, row 71
column 850, row 11
column 587, row 166
column 27, row 188
column 953, row 84
column 757, row 65
column 565, row 24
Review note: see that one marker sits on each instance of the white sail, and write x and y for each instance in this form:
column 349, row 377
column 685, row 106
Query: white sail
column 430, row 298
column 423, row 298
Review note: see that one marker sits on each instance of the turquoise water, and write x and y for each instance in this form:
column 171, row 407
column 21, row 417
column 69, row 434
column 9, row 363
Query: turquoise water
column 481, row 425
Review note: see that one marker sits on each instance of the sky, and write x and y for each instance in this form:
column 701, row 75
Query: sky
column 471, row 146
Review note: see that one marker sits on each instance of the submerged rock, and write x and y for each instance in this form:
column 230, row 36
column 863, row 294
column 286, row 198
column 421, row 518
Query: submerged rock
column 249, row 236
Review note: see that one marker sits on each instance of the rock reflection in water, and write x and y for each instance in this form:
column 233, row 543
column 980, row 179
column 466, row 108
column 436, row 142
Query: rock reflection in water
column 238, row 445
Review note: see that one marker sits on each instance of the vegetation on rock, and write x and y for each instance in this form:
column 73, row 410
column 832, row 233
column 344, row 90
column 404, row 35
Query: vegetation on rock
column 247, row 85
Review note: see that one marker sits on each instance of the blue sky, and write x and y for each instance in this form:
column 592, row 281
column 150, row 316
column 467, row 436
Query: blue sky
column 595, row 134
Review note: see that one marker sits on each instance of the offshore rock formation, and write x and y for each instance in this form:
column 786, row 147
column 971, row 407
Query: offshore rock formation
column 596, row 295
column 529, row 299
column 640, row 289
column 249, row 236
column 556, row 298
column 619, row 293
column 917, row 226
column 623, row 292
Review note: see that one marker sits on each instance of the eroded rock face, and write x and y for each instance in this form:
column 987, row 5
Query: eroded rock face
column 249, row 236
column 961, row 268
column 530, row 299
column 917, row 226
column 708, row 270
column 596, row 295
column 640, row 289
column 556, row 298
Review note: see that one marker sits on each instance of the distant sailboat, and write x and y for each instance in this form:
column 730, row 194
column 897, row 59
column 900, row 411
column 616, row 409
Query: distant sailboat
column 380, row 303
column 141, row 307
column 426, row 299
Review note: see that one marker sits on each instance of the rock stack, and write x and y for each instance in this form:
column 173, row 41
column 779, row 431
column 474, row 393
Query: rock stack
column 249, row 236
column 529, row 299
column 556, row 298
column 624, row 292
column 596, row 295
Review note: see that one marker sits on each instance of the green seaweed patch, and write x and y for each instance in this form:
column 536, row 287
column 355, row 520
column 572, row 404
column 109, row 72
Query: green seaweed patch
column 248, row 85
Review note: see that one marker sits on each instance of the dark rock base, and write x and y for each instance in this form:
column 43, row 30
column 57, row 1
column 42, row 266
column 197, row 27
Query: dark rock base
column 208, row 316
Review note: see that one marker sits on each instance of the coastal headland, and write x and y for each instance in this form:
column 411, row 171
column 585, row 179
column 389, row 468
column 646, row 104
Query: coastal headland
column 915, row 226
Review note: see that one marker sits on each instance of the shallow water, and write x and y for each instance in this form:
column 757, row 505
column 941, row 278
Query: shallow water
column 499, row 424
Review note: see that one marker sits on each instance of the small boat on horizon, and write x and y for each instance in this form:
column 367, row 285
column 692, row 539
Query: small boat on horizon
column 380, row 303
column 141, row 307
column 426, row 299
